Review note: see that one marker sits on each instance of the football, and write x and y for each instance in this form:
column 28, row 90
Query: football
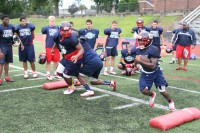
column 145, row 58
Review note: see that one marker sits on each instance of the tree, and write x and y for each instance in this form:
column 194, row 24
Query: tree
column 93, row 7
column 82, row 8
column 72, row 9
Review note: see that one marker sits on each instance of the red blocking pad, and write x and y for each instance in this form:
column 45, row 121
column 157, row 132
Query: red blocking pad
column 174, row 119
column 57, row 85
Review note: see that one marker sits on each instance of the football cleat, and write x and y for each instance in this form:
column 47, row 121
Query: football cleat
column 105, row 73
column 112, row 72
column 25, row 75
column 113, row 85
column 49, row 77
column 8, row 79
column 88, row 93
column 152, row 99
column 69, row 91
column 179, row 68
column 57, row 76
column 35, row 74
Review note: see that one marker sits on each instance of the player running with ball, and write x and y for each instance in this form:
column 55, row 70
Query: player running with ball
column 147, row 56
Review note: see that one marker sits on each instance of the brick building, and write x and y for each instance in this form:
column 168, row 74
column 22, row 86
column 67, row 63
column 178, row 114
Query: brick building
column 168, row 5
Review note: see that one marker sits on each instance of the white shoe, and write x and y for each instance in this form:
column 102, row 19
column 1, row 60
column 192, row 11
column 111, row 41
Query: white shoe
column 105, row 73
column 49, row 77
column 57, row 76
column 113, row 72
column 152, row 99
column 69, row 91
column 25, row 75
column 88, row 93
column 35, row 75
column 123, row 72
column 171, row 106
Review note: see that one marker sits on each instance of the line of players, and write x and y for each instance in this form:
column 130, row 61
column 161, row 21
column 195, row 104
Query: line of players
column 79, row 58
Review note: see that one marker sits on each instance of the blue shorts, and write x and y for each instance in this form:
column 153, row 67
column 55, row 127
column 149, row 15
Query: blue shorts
column 28, row 54
column 147, row 80
column 8, row 54
column 92, row 68
column 111, row 51
column 71, row 68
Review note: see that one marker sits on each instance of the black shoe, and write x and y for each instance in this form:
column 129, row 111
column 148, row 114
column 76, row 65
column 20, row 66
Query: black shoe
column 172, row 62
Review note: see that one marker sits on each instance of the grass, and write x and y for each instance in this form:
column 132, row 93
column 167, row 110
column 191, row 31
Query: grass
column 38, row 110
column 125, row 23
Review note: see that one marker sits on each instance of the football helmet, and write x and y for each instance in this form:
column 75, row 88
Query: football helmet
column 42, row 58
column 16, row 41
column 140, row 22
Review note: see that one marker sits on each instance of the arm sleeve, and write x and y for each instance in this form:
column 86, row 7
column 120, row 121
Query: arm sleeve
column 194, row 40
column 44, row 30
column 32, row 27
column 107, row 31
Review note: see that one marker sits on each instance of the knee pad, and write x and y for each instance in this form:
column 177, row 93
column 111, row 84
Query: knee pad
column 66, row 76
column 60, row 68
column 161, row 88
column 93, row 79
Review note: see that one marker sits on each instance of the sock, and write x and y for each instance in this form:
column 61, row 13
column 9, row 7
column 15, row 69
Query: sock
column 111, row 69
column 25, row 72
column 106, row 82
column 105, row 68
column 55, row 73
column 71, row 86
column 87, row 87
column 48, row 73
column 173, row 58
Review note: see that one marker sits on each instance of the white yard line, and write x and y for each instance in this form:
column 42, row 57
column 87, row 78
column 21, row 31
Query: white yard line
column 97, row 97
column 126, row 106
column 23, row 88
column 172, row 87
column 14, row 71
column 18, row 75
column 37, row 78
column 129, row 98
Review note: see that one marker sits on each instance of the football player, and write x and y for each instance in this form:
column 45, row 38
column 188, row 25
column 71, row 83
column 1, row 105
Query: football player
column 72, row 54
column 90, row 33
column 156, row 31
column 127, row 58
column 25, row 31
column 92, row 66
column 6, row 53
column 140, row 28
column 73, row 29
column 49, row 31
column 185, row 39
column 150, row 70
column 112, row 40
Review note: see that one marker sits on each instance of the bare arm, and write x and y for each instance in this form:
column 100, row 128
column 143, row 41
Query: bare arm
column 80, row 53
column 119, row 40
column 151, row 65
column 162, row 40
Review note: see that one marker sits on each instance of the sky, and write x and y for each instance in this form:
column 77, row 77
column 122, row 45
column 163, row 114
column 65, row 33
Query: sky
column 66, row 3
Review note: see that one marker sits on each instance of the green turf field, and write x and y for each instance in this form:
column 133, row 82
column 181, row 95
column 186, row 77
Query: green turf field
column 125, row 23
column 26, row 107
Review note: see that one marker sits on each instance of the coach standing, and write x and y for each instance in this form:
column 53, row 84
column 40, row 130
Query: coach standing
column 6, row 53
column 185, row 39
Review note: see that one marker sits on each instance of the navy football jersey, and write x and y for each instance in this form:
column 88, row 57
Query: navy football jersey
column 24, row 33
column 128, row 57
column 139, row 30
column 150, row 52
column 89, row 53
column 113, row 36
column 49, row 31
column 91, row 35
column 156, row 35
column 6, row 33
column 69, row 43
